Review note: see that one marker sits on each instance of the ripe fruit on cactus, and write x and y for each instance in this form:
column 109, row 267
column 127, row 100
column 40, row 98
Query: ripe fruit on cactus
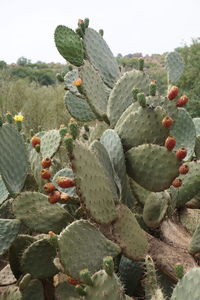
column 65, row 182
column 73, row 281
column 54, row 197
column 183, row 169
column 170, row 142
column 177, row 182
column 45, row 174
column 77, row 82
column 49, row 187
column 173, row 93
column 35, row 141
column 182, row 101
column 167, row 121
column 46, row 163
column 181, row 153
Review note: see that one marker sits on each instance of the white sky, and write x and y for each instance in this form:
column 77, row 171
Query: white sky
column 147, row 26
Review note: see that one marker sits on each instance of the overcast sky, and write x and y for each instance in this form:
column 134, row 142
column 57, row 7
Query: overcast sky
column 147, row 26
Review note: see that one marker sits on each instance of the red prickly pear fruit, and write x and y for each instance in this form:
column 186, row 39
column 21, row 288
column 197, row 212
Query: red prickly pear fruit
column 183, row 169
column 35, row 141
column 46, row 163
column 65, row 182
column 177, row 182
column 170, row 142
column 73, row 281
column 167, row 121
column 54, row 197
column 181, row 153
column 45, row 174
column 49, row 187
column 173, row 93
column 182, row 101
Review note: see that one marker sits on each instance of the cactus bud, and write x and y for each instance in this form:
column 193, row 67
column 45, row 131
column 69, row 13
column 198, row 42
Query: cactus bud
column 86, row 22
column 68, row 140
column 63, row 130
column 9, row 117
column 86, row 277
column 101, row 32
column 141, row 63
column 141, row 99
column 108, row 265
column 135, row 91
column 59, row 77
column 152, row 88
column 179, row 270
column 79, row 32
column 73, row 129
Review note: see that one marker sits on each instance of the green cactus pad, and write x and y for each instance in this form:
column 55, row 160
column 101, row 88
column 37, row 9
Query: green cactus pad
column 50, row 142
column 169, row 106
column 13, row 158
column 130, row 109
column 184, row 132
column 152, row 166
column 121, row 95
column 190, row 219
column 196, row 122
column 97, row 131
column 3, row 191
column 68, row 80
column 37, row 259
column 63, row 289
column 6, row 276
column 93, row 88
column 11, row 293
column 91, row 243
column 101, row 56
column 38, row 214
column 34, row 291
column 194, row 246
column 174, row 65
column 6, row 209
column 9, row 229
column 69, row 45
column 113, row 145
column 66, row 172
column 93, row 185
column 35, row 164
column 155, row 208
column 188, row 287
column 16, row 250
column 100, row 152
column 189, row 187
column 130, row 272
column 142, row 127
column 105, row 286
column 78, row 108
column 128, row 234
column 139, row 192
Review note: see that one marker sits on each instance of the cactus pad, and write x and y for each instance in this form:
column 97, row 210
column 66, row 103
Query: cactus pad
column 50, row 143
column 38, row 214
column 78, row 108
column 3, row 191
column 9, row 229
column 152, row 166
column 13, row 158
column 188, row 287
column 121, row 95
column 93, row 184
column 37, row 252
column 142, row 127
column 174, row 65
column 69, row 45
column 91, row 243
column 101, row 56
column 93, row 88
column 129, row 235
column 184, row 132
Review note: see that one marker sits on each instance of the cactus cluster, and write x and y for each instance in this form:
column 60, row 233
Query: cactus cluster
column 98, row 207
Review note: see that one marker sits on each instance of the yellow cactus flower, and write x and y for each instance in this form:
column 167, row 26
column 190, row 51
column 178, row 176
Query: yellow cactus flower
column 18, row 118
